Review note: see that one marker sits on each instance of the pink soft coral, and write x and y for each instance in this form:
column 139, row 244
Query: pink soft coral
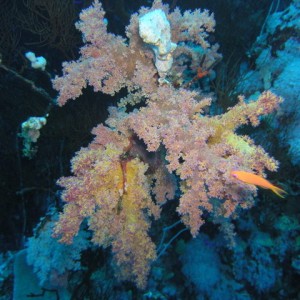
column 114, row 194
column 137, row 154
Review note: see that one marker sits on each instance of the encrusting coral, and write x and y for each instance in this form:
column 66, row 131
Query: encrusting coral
column 121, row 180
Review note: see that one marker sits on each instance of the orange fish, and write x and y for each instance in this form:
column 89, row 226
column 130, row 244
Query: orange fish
column 251, row 178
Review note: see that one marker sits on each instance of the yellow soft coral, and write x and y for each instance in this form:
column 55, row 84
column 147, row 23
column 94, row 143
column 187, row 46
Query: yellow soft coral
column 113, row 192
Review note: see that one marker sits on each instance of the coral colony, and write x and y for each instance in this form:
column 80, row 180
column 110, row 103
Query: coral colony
column 159, row 139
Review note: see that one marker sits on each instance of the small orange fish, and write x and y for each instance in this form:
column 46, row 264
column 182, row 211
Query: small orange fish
column 251, row 178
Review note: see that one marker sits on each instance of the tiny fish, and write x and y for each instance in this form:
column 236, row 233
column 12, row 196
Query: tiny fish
column 257, row 180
